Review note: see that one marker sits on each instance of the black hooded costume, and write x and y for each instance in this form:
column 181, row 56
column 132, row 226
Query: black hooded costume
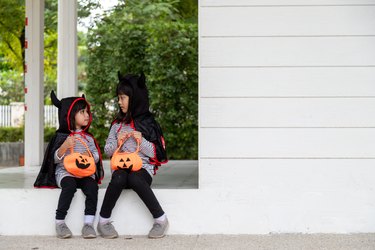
column 142, row 118
column 46, row 177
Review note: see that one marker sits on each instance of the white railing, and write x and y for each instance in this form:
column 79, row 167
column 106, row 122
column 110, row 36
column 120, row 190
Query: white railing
column 51, row 116
column 5, row 116
column 8, row 118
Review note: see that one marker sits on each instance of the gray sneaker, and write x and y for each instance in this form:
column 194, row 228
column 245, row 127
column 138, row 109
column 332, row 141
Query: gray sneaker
column 88, row 232
column 158, row 230
column 107, row 230
column 63, row 231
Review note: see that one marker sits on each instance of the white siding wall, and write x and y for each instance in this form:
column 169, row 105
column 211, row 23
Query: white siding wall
column 286, row 135
column 287, row 123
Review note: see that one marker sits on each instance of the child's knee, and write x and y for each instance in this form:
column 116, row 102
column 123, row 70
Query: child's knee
column 69, row 184
column 136, row 183
column 119, row 179
column 70, row 189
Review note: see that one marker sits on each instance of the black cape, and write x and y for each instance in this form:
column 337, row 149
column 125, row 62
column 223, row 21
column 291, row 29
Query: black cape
column 46, row 177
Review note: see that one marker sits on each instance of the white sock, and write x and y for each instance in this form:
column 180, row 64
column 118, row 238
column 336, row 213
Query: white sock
column 89, row 219
column 59, row 222
column 162, row 218
column 104, row 220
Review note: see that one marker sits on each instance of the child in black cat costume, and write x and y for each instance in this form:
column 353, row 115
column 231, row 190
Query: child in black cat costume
column 134, row 122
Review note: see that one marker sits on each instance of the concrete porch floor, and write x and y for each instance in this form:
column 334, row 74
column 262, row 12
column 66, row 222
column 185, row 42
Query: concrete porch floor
column 182, row 174
column 214, row 242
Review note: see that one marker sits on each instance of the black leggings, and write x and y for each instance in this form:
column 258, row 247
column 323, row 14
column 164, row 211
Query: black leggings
column 69, row 186
column 140, row 182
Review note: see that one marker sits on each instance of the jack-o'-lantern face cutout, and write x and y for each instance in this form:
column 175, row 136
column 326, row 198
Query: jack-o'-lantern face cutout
column 82, row 162
column 125, row 163
column 79, row 165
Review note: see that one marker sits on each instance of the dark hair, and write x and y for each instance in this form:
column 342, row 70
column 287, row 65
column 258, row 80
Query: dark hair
column 125, row 89
column 78, row 106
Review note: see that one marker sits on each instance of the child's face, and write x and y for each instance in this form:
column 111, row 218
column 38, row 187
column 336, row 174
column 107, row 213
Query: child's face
column 82, row 118
column 123, row 102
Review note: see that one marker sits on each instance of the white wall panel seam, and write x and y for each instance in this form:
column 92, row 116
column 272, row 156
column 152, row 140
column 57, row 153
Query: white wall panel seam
column 285, row 6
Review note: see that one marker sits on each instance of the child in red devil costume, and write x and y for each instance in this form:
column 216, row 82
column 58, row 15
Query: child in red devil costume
column 74, row 122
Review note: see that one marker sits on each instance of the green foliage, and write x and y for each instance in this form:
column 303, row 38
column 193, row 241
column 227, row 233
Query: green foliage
column 173, row 79
column 49, row 132
column 12, row 33
column 188, row 10
column 146, row 11
column 85, row 7
column 12, row 56
column 148, row 36
column 11, row 87
column 11, row 134
column 15, row 134
column 50, row 64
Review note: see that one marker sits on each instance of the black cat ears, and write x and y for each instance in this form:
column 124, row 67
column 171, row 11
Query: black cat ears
column 120, row 77
column 56, row 101
column 141, row 82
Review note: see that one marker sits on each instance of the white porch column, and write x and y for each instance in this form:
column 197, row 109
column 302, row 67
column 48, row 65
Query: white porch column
column 34, row 84
column 67, row 49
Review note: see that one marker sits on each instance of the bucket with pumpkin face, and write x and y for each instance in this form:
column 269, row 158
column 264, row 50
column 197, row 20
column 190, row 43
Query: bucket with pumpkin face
column 78, row 164
column 126, row 160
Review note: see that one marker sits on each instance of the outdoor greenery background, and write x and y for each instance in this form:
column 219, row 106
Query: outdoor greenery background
column 157, row 37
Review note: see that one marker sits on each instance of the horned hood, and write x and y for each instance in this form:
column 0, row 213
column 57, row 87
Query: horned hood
column 65, row 106
column 140, row 102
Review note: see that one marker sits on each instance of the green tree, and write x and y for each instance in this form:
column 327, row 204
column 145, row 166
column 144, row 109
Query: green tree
column 188, row 10
column 149, row 36
column 172, row 57
column 12, row 37
column 12, row 32
column 11, row 87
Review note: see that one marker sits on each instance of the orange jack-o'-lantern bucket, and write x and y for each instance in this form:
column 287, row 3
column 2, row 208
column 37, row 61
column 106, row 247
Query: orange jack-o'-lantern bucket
column 78, row 164
column 126, row 160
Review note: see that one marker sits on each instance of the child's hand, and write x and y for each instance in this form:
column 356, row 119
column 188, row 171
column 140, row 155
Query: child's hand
column 138, row 135
column 68, row 143
column 121, row 137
